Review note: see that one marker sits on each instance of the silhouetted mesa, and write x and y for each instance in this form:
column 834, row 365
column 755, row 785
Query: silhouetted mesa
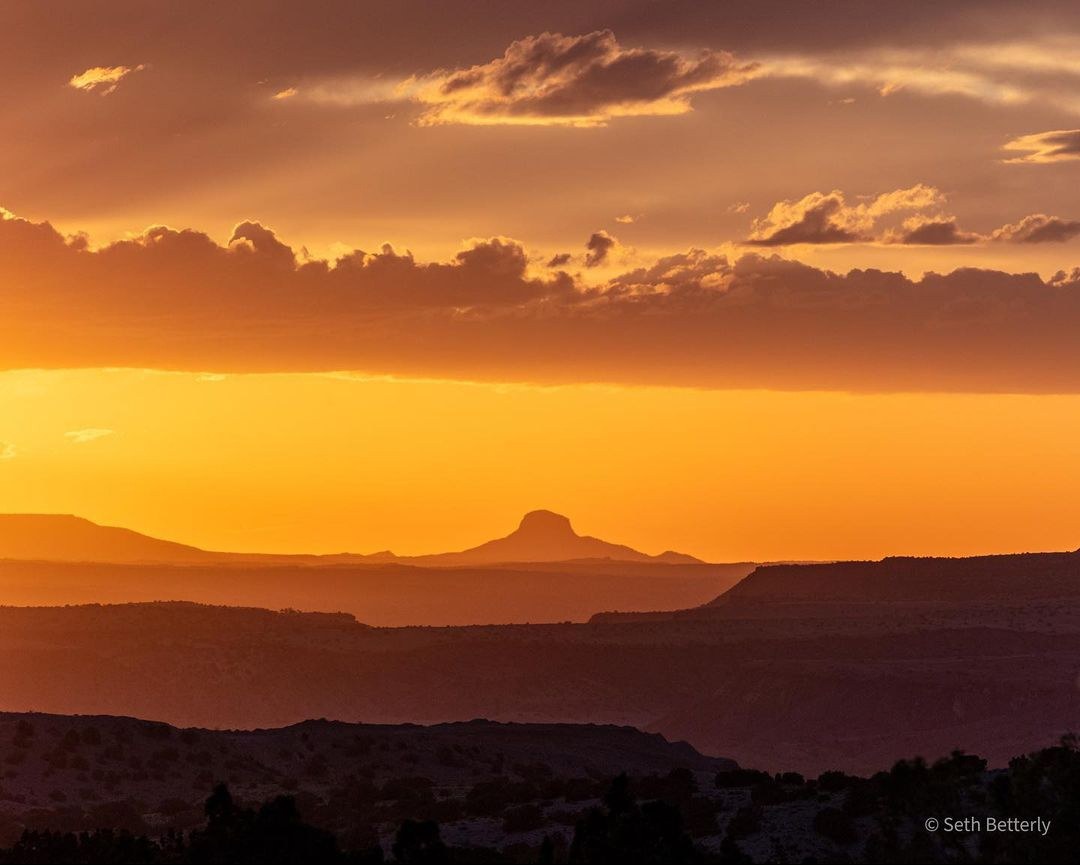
column 973, row 579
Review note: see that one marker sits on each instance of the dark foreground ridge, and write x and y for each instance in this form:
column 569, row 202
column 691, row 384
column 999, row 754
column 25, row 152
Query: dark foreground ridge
column 127, row 791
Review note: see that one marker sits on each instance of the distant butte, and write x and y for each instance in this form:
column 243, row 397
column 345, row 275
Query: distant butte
column 545, row 536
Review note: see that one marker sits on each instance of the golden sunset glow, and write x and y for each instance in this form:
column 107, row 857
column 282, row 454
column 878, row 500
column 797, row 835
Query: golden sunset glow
column 328, row 463
column 577, row 431
column 757, row 287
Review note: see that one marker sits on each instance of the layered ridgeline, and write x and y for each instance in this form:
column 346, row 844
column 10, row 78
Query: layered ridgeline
column 770, row 691
column 542, row 572
column 542, row 536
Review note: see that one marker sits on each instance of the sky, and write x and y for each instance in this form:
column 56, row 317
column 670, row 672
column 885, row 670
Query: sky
column 749, row 280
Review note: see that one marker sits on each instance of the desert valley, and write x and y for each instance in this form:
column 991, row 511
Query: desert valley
column 791, row 670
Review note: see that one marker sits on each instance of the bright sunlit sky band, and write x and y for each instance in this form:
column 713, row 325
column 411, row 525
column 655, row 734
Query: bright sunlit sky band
column 754, row 280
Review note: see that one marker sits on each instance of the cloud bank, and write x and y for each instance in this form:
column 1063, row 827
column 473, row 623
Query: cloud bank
column 174, row 299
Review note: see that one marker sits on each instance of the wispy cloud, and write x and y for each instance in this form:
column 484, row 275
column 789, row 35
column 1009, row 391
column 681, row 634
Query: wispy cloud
column 1058, row 145
column 102, row 79
column 7, row 451
column 998, row 73
column 82, row 436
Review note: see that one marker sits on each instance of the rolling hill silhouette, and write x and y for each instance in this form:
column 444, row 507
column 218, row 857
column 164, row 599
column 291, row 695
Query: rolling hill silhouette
column 62, row 537
column 542, row 536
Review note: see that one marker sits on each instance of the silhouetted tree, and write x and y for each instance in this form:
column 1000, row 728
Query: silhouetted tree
column 418, row 843
column 624, row 832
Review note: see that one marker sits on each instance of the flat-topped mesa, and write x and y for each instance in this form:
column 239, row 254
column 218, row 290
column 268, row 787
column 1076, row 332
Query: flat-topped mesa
column 1018, row 576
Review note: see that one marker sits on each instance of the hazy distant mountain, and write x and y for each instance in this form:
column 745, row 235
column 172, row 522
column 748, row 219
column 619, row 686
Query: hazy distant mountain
column 59, row 537
column 66, row 538
column 543, row 536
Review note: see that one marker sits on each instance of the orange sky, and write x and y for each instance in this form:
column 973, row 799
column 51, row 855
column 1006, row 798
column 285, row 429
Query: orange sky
column 784, row 282
column 332, row 463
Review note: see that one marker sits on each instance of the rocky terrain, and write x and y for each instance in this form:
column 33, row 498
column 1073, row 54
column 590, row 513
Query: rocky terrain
column 143, row 791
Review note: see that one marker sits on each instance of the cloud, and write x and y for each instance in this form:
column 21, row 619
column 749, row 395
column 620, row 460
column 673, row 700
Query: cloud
column 1059, row 145
column 560, row 259
column 1038, row 228
column 176, row 299
column 102, row 79
column 587, row 80
column 827, row 217
column 627, row 219
column 83, row 436
column 7, row 451
column 931, row 231
column 599, row 246
column 738, row 207
column 286, row 93
column 824, row 218
column 999, row 72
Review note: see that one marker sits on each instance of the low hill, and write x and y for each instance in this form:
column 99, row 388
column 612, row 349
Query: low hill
column 83, row 771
